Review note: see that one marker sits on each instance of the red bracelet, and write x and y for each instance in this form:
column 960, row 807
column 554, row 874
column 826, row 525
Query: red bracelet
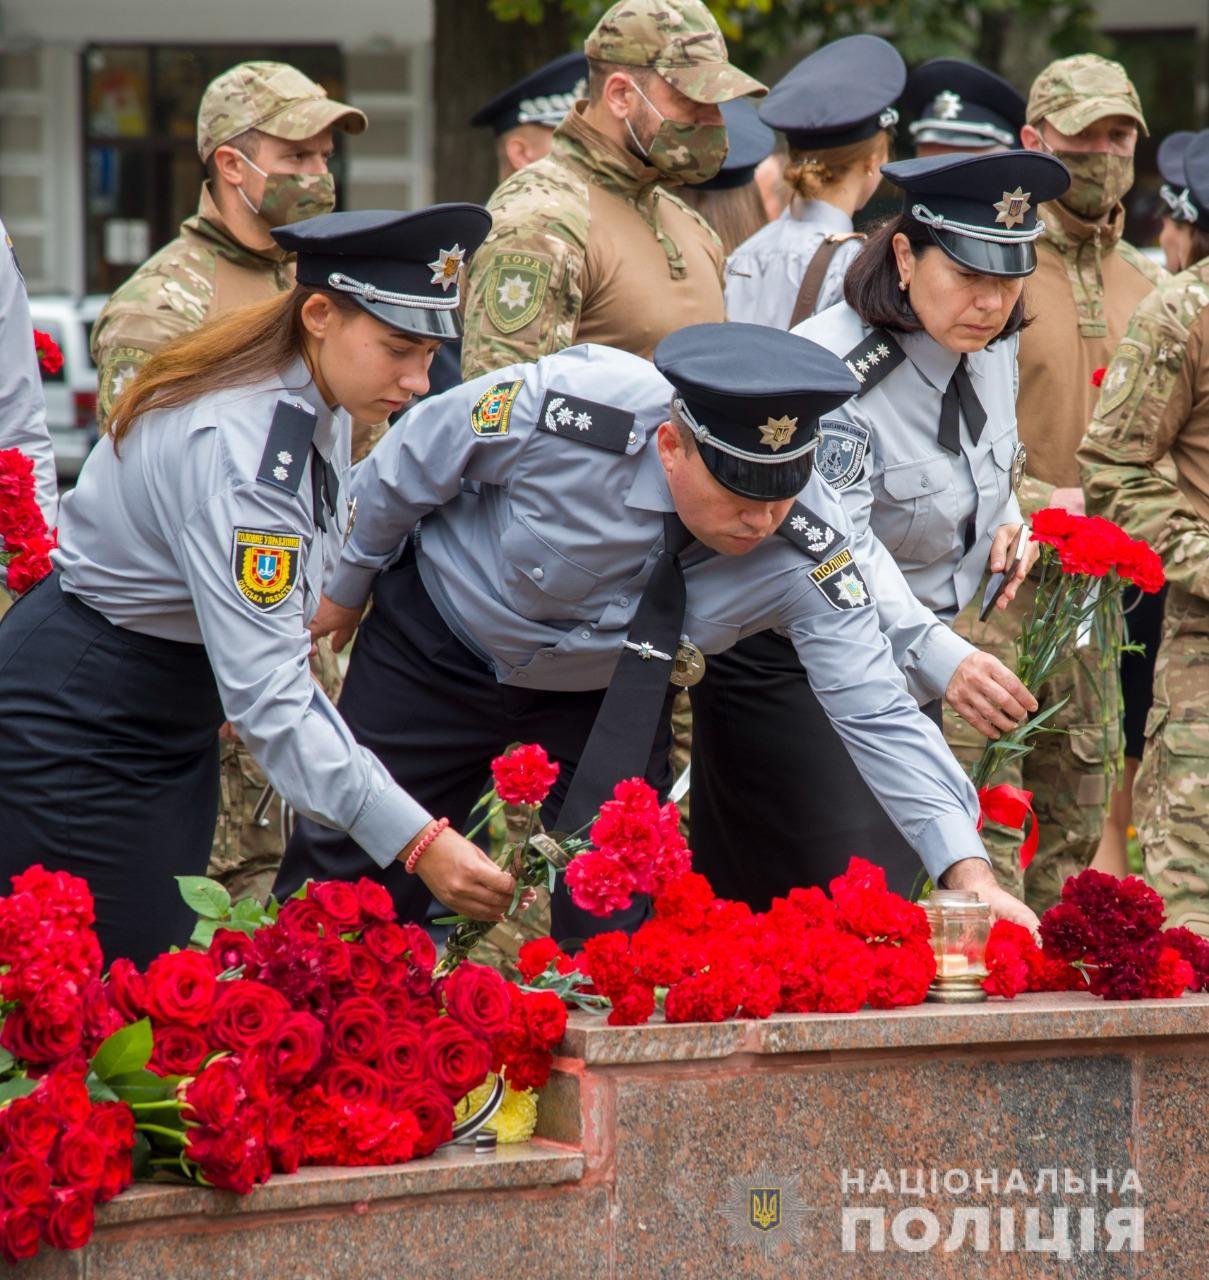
column 424, row 841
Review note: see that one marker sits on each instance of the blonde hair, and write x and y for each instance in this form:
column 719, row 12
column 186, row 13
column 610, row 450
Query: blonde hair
column 809, row 173
column 735, row 213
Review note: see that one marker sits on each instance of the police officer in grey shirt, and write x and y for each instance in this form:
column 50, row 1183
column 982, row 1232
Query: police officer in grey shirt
column 192, row 553
column 835, row 110
column 22, row 405
column 923, row 457
column 537, row 607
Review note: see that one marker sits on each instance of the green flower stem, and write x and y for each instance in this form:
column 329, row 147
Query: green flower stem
column 484, row 820
column 177, row 1135
column 173, row 1103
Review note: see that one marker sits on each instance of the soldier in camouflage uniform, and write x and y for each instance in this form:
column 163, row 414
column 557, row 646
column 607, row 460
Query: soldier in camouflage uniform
column 588, row 244
column 1085, row 110
column 1154, row 410
column 264, row 135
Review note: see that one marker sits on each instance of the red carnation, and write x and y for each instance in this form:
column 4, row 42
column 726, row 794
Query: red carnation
column 537, row 955
column 600, row 883
column 1097, row 376
column 524, row 775
column 1007, row 951
column 50, row 357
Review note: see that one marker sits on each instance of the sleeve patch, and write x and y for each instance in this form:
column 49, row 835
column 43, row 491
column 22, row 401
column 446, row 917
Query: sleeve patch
column 588, row 421
column 515, row 288
column 841, row 452
column 287, row 448
column 265, row 566
column 493, row 409
column 840, row 581
column 1118, row 381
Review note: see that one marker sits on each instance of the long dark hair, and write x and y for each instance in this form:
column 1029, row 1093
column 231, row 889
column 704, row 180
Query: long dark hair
column 871, row 285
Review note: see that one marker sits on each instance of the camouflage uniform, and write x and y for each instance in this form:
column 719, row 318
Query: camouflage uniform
column 1087, row 283
column 202, row 274
column 587, row 244
column 1154, row 408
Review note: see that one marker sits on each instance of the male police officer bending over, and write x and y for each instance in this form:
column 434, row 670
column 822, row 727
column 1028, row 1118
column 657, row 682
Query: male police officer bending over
column 609, row 547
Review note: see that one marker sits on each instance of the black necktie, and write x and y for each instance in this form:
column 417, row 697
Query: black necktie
column 623, row 732
column 960, row 395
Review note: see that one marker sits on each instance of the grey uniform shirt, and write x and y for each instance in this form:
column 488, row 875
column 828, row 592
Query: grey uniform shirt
column 765, row 273
column 22, row 405
column 912, row 500
column 540, row 571
column 156, row 539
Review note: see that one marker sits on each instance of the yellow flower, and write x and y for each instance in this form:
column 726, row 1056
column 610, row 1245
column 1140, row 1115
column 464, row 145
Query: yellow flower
column 514, row 1121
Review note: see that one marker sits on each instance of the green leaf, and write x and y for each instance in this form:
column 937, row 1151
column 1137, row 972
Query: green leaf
column 140, row 1157
column 450, row 920
column 7, row 1061
column 207, row 897
column 126, row 1050
column 204, row 931
column 143, row 1086
column 249, row 911
column 98, row 1090
column 17, row 1087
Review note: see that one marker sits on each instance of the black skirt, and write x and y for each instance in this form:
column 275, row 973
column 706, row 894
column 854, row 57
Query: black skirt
column 108, row 764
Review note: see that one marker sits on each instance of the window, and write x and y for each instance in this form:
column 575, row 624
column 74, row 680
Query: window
column 142, row 176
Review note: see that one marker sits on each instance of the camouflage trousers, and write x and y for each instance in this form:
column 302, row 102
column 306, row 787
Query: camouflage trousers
column 245, row 855
column 1171, row 795
column 499, row 948
column 1064, row 771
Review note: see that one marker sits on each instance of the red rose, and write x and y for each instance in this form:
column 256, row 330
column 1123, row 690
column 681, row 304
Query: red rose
column 178, row 1051
column 181, row 987
column 283, row 1133
column 20, row 1233
column 118, row 1176
column 126, row 989
column 24, row 1181
column 375, row 901
column 80, row 1158
column 365, row 973
column 66, row 1097
column 524, row 775
column 28, row 1127
column 336, row 960
column 302, row 918
column 339, row 902
column 454, row 1059
column 478, row 998
column 215, row 1094
column 402, row 1060
column 296, row 1048
column 433, row 1112
column 26, row 1039
column 71, row 1219
column 229, row 949
column 353, row 1082
column 246, row 1014
column 387, row 942
column 113, row 1123
column 357, row 1028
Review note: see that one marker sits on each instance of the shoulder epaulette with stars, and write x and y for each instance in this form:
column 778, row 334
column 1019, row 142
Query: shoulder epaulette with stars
column 808, row 532
column 870, row 360
column 287, row 447
column 587, row 421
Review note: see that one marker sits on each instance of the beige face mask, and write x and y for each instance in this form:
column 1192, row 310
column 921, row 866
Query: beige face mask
column 292, row 197
column 690, row 152
column 1098, row 181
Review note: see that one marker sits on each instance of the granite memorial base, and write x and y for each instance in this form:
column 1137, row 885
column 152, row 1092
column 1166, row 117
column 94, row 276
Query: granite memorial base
column 1055, row 1135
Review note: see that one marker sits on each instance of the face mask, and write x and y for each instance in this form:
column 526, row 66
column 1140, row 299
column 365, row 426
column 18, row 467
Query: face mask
column 690, row 152
column 1098, row 181
column 291, row 197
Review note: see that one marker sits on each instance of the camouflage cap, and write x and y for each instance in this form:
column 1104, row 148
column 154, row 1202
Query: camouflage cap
column 273, row 97
column 1072, row 93
column 679, row 39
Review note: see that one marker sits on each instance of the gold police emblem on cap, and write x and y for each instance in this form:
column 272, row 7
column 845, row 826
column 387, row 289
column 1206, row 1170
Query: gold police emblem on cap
column 777, row 432
column 1012, row 207
column 445, row 269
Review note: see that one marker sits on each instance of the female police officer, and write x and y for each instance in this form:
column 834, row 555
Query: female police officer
column 834, row 109
column 191, row 555
column 922, row 456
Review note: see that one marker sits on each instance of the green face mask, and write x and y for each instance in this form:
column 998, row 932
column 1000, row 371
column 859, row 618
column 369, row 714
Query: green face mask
column 291, row 197
column 1098, row 181
column 689, row 152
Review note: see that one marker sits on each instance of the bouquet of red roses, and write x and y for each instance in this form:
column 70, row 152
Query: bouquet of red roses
column 707, row 959
column 25, row 542
column 1106, row 936
column 1086, row 562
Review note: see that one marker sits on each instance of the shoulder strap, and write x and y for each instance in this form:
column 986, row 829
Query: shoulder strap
column 287, row 447
column 874, row 357
column 816, row 273
column 808, row 532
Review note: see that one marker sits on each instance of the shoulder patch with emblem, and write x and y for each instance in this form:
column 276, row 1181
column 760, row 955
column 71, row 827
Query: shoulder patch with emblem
column 493, row 408
column 118, row 368
column 587, row 421
column 265, row 566
column 808, row 532
column 869, row 361
column 841, row 451
column 287, row 448
column 515, row 289
column 1120, row 377
column 840, row 581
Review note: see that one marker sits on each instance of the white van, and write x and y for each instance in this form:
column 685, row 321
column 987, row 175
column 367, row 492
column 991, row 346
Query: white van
column 71, row 394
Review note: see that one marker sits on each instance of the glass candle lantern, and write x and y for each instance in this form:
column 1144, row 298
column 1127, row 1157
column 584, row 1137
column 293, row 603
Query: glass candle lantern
column 960, row 924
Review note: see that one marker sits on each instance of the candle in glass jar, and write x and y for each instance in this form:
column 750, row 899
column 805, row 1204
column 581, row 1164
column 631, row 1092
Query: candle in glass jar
column 950, row 963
